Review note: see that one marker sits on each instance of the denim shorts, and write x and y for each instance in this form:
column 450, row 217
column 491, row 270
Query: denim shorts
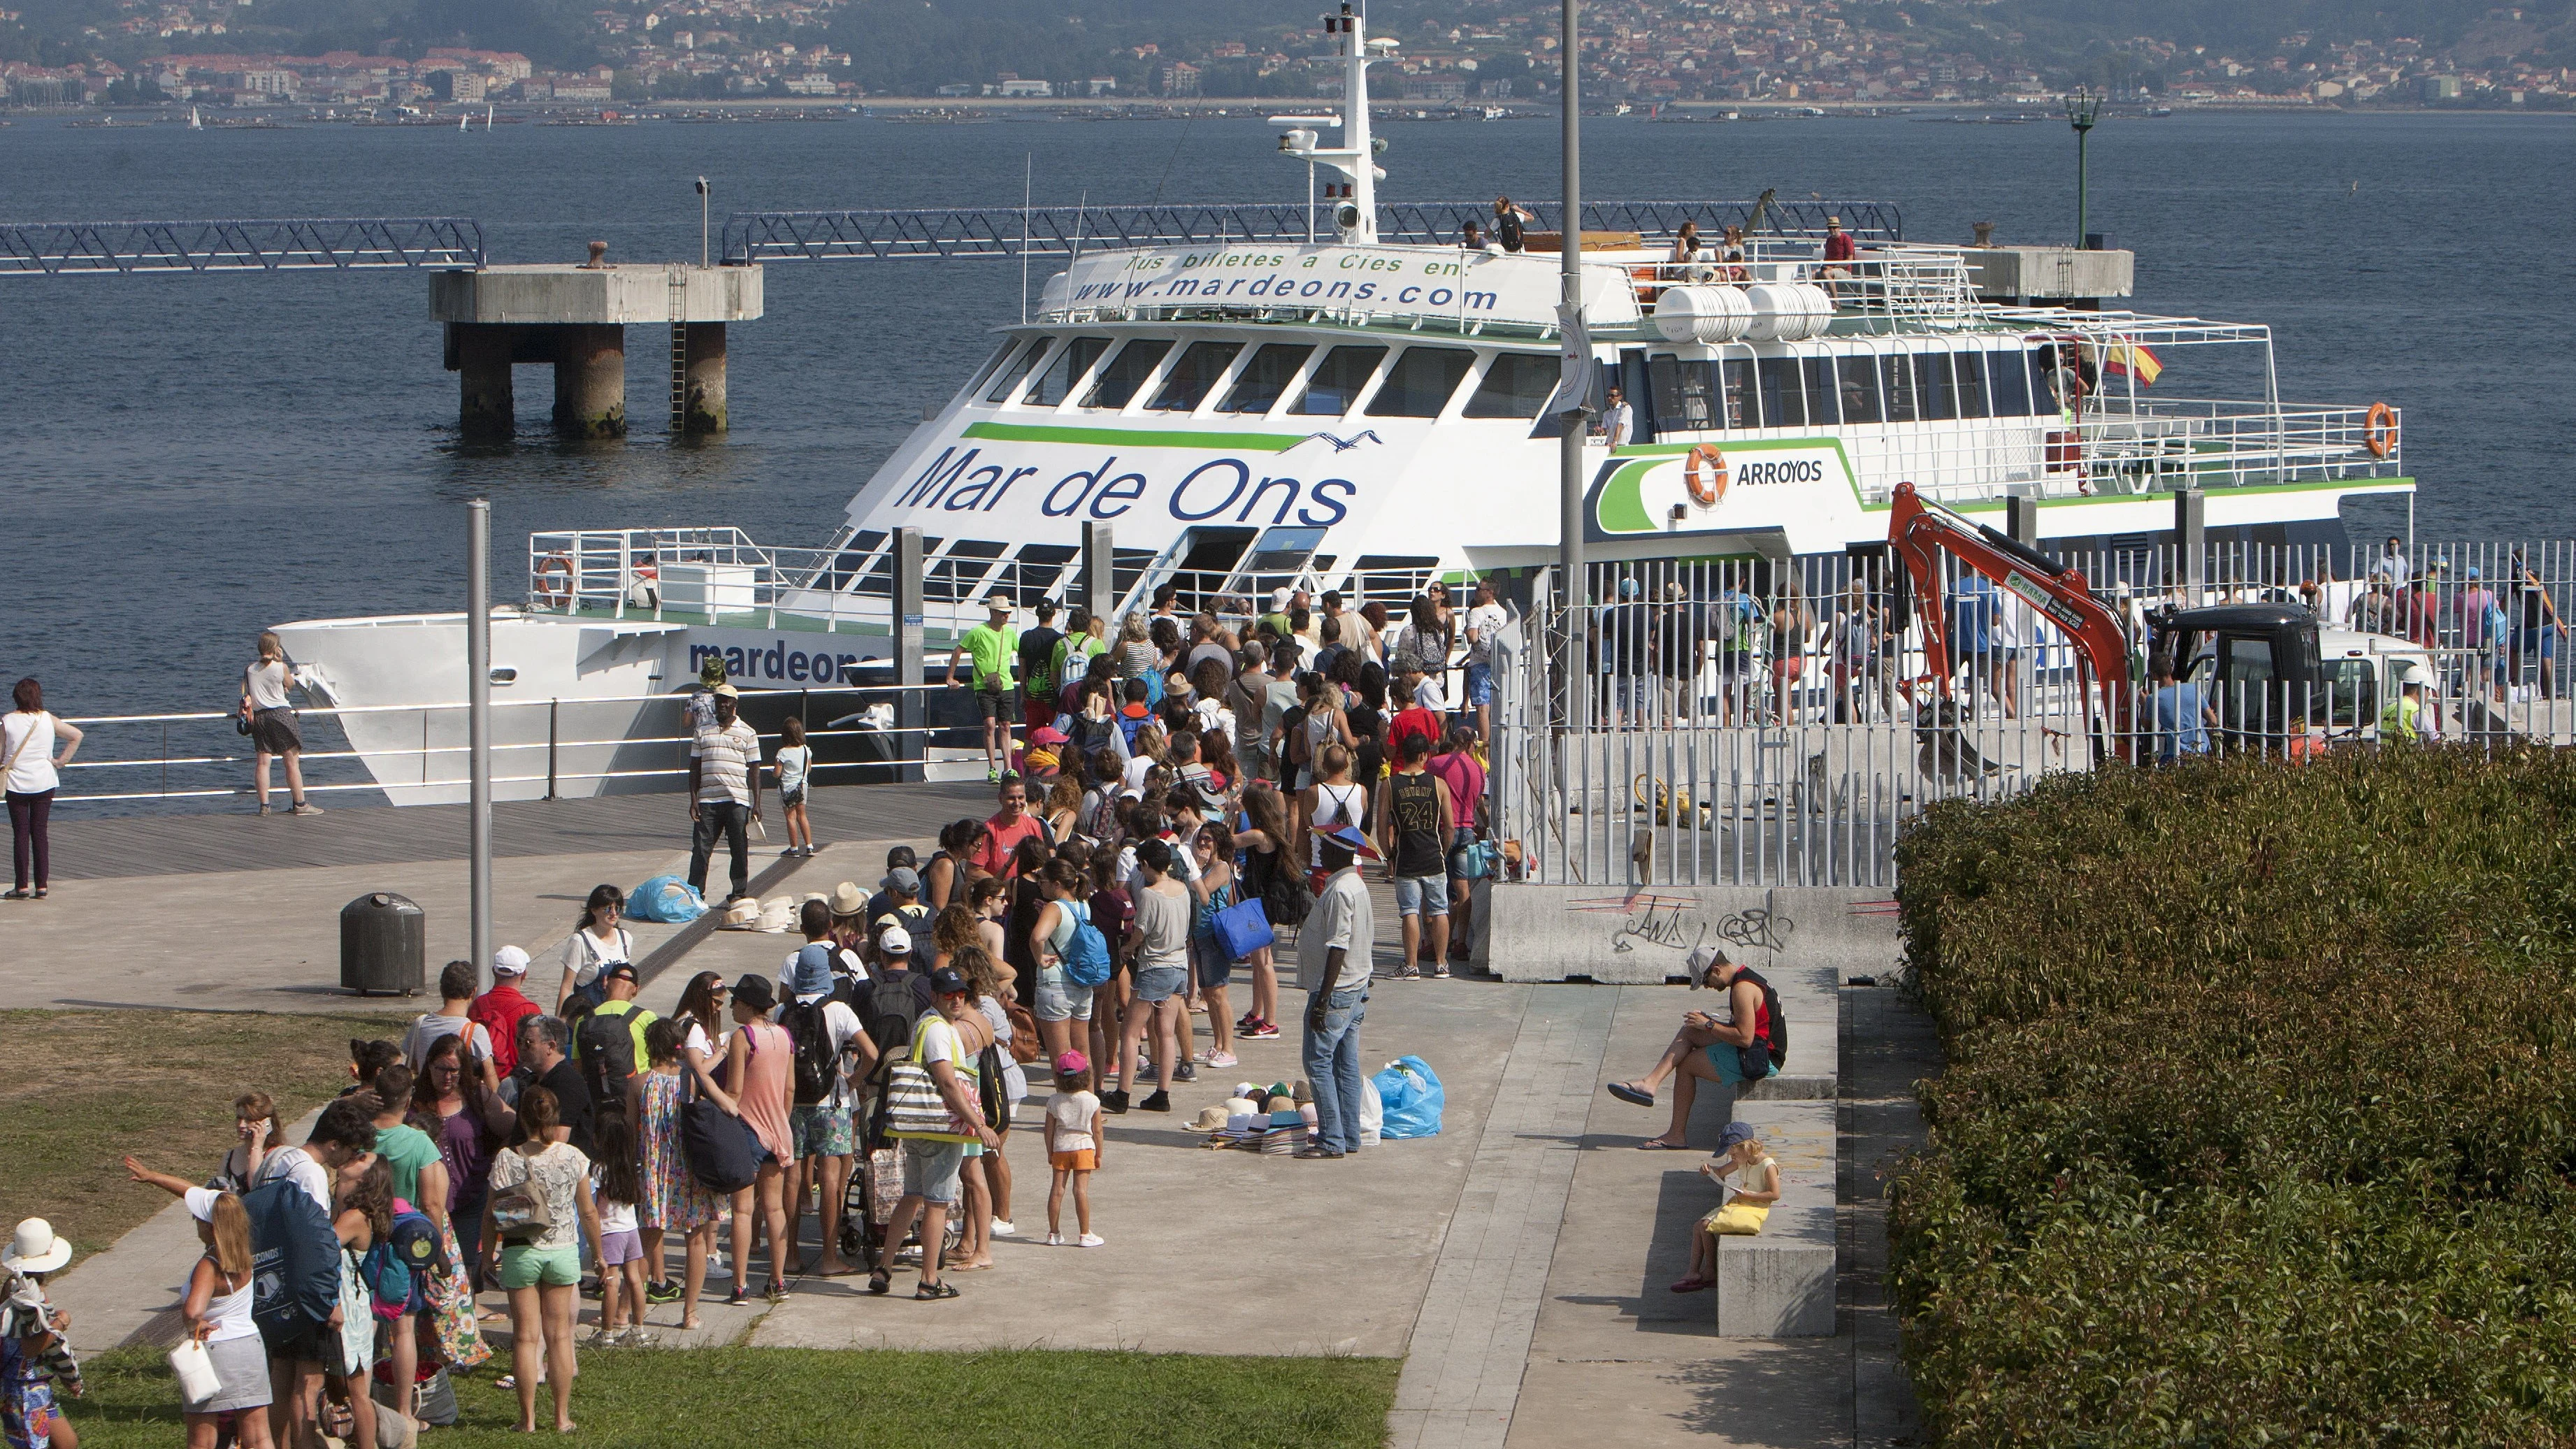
column 1215, row 968
column 1060, row 998
column 1160, row 983
column 1480, row 684
column 1422, row 895
column 930, row 1169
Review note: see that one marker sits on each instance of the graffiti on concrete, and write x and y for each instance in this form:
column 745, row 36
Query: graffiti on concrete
column 1756, row 929
column 1666, row 921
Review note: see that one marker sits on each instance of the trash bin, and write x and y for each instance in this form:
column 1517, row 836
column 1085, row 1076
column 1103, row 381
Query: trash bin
column 384, row 939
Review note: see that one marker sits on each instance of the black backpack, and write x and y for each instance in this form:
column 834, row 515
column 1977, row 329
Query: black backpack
column 1285, row 898
column 900, row 1000
column 607, row 1042
column 815, row 1059
column 1779, row 1041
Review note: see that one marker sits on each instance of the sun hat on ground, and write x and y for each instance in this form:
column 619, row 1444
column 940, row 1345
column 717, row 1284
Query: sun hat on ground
column 1210, row 1119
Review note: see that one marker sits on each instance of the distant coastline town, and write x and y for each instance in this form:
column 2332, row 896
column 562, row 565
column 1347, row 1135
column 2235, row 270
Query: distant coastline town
column 1822, row 53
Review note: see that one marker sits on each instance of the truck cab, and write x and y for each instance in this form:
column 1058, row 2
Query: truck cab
column 2272, row 670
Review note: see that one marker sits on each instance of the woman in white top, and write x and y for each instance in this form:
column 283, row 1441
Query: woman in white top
column 271, row 723
column 217, row 1314
column 28, row 765
column 597, row 942
column 1332, row 802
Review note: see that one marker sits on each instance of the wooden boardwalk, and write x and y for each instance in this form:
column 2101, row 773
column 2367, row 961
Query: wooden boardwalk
column 152, row 845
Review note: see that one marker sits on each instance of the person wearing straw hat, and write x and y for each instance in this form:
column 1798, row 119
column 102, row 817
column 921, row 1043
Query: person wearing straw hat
column 34, row 1356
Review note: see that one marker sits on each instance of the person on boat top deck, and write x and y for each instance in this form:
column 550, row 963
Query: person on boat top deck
column 1618, row 420
column 1507, row 223
column 1839, row 249
column 1471, row 237
column 1730, row 250
column 994, row 647
column 1705, row 1049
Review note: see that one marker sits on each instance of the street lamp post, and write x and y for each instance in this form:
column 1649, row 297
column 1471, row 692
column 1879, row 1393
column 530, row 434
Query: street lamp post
column 2083, row 108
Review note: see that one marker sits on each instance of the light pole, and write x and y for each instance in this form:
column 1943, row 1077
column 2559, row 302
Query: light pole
column 706, row 195
column 2083, row 108
column 1569, row 481
column 478, row 729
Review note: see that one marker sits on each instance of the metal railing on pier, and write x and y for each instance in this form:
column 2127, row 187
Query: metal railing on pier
column 1749, row 722
column 284, row 244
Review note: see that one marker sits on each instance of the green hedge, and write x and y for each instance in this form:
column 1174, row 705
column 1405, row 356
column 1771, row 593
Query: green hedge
column 2260, row 1107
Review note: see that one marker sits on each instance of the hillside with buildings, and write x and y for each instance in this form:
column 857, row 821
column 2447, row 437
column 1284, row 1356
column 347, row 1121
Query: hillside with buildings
column 254, row 53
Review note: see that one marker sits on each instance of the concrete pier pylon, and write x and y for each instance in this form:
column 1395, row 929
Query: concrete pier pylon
column 574, row 316
column 705, row 379
column 590, row 381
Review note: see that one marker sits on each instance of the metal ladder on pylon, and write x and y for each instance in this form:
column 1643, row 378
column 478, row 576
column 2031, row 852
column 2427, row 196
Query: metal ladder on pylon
column 679, row 351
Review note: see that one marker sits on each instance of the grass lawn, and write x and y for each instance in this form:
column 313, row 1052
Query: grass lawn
column 80, row 1089
column 762, row 1396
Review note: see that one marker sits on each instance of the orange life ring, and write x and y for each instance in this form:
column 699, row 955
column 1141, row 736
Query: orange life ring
column 554, row 578
column 2379, row 430
column 1705, row 492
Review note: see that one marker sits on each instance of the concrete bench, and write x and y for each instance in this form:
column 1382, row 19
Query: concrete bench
column 1780, row 1284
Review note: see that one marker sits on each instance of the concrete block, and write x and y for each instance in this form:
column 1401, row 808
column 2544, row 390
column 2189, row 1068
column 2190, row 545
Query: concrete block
column 2051, row 273
column 1780, row 1284
column 1839, row 928
column 604, row 296
column 1640, row 935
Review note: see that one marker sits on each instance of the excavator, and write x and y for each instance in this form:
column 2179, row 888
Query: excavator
column 2282, row 680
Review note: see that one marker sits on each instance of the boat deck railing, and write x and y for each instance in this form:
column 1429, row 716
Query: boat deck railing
column 2115, row 449
column 719, row 577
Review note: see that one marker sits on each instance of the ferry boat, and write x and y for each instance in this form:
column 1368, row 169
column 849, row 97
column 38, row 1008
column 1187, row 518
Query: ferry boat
column 1355, row 414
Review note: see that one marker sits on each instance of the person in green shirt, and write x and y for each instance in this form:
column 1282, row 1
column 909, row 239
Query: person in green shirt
column 994, row 648
column 420, row 1178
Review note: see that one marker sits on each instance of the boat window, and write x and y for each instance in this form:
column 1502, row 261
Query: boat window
column 1018, row 370
column 1125, row 373
column 1823, row 406
column 1896, row 374
column 1201, row 364
column 1968, row 376
column 1337, row 380
column 2008, row 385
column 1421, row 382
column 1682, row 392
column 852, row 558
column 1265, row 377
column 990, row 365
column 878, row 581
column 957, row 575
column 1037, row 567
column 1071, row 361
column 1933, row 390
column 1742, row 402
column 1516, row 385
column 1784, row 402
column 1859, row 376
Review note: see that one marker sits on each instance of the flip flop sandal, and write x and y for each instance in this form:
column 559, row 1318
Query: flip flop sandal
column 929, row 1292
column 880, row 1283
column 1694, row 1285
column 1657, row 1144
column 1630, row 1095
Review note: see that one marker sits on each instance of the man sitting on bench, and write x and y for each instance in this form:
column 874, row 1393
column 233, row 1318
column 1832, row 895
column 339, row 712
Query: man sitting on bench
column 1705, row 1049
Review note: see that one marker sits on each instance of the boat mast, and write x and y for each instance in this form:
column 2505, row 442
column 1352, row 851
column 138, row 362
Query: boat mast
column 1355, row 199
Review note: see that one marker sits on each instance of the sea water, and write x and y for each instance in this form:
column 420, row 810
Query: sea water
column 189, row 459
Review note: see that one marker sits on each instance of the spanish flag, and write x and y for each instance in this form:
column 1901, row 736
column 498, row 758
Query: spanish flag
column 2133, row 359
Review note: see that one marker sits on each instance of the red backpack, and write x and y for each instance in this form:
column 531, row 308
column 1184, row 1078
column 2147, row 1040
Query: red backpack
column 501, row 1020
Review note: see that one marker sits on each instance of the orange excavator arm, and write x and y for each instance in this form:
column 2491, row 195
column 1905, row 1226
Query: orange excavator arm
column 1920, row 531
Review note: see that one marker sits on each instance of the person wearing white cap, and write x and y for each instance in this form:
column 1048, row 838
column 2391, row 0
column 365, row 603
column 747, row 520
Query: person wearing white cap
column 994, row 648
column 33, row 1354
column 500, row 1010
column 216, row 1312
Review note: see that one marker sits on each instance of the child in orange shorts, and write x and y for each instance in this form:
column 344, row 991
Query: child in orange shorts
column 1075, row 1133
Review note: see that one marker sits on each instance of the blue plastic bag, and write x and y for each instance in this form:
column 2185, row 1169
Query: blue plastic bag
column 665, row 898
column 1412, row 1096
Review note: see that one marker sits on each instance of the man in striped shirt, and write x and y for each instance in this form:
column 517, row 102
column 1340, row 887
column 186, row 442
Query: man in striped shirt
column 724, row 792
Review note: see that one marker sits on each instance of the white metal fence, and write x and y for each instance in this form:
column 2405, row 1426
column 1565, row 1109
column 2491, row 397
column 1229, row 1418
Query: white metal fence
column 1762, row 722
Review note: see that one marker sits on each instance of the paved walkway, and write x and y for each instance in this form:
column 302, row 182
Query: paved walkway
column 1517, row 1261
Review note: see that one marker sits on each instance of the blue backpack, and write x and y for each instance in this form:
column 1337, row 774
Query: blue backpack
column 295, row 1261
column 1086, row 956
